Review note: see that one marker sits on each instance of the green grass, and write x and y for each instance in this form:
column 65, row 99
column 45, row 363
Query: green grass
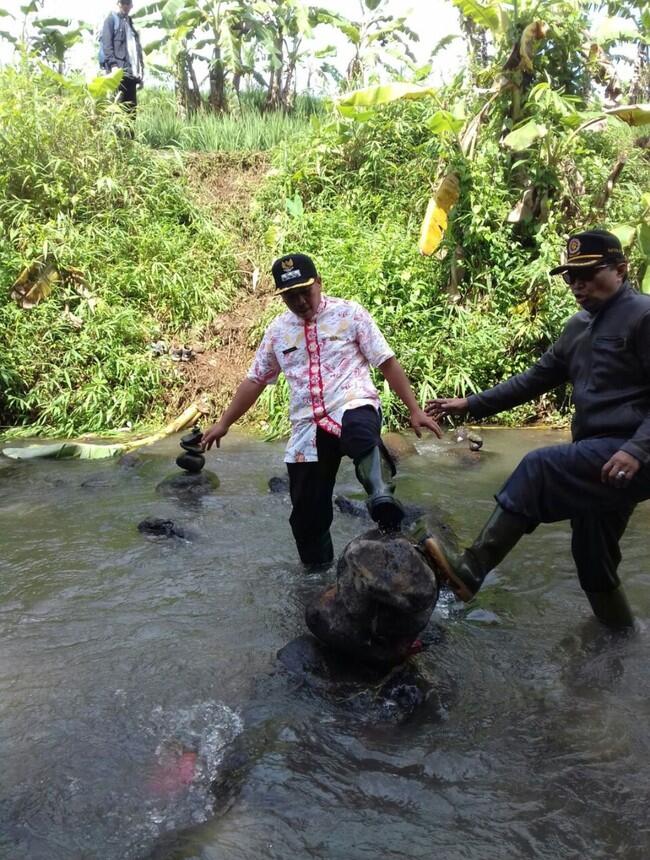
column 245, row 129
column 75, row 191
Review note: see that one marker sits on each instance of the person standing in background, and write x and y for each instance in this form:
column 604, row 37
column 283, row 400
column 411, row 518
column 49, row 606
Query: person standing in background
column 121, row 49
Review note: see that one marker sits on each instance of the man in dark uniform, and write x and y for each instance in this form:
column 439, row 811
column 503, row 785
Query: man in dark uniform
column 596, row 481
column 121, row 50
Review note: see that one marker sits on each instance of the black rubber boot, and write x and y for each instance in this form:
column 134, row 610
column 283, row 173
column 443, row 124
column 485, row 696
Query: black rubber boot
column 464, row 572
column 611, row 607
column 317, row 551
column 374, row 474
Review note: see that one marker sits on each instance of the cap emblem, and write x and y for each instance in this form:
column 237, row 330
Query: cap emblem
column 287, row 264
column 573, row 247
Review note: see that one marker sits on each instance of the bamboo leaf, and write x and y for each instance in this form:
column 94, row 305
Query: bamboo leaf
column 524, row 136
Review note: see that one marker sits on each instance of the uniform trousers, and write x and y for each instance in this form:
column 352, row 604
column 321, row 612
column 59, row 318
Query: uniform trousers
column 311, row 485
column 562, row 482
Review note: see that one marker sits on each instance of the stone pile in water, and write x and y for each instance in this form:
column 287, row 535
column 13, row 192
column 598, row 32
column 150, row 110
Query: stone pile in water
column 192, row 483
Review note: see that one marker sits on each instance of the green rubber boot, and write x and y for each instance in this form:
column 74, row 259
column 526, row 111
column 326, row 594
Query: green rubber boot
column 611, row 607
column 465, row 572
column 375, row 476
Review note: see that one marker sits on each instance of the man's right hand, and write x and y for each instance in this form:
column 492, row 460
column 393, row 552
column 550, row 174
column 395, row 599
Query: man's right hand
column 214, row 434
column 441, row 407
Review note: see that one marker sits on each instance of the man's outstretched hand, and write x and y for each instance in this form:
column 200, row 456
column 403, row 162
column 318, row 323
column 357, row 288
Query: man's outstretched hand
column 420, row 419
column 213, row 434
column 441, row 407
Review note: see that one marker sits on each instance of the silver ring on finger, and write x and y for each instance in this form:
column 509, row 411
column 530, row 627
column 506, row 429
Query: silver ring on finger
column 620, row 476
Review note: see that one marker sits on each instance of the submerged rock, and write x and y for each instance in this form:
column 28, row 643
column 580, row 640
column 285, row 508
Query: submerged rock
column 354, row 508
column 399, row 447
column 383, row 597
column 161, row 528
column 374, row 692
column 187, row 486
column 278, row 485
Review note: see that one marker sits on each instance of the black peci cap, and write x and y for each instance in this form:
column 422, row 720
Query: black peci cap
column 590, row 248
column 293, row 271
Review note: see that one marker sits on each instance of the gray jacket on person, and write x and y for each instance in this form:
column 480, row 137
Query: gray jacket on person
column 114, row 45
column 606, row 356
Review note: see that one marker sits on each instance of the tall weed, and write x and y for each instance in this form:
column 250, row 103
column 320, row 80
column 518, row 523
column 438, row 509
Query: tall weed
column 75, row 189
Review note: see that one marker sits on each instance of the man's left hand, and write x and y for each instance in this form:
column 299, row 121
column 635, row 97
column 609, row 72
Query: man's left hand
column 619, row 470
column 420, row 419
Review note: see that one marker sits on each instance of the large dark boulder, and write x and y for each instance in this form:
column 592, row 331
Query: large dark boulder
column 383, row 597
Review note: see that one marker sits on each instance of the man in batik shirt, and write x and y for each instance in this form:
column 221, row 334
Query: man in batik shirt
column 325, row 347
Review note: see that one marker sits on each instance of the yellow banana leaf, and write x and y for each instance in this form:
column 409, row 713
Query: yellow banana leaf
column 34, row 284
column 94, row 451
column 631, row 114
column 436, row 217
column 433, row 228
column 353, row 104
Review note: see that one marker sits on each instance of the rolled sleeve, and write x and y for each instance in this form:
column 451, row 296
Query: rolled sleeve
column 372, row 343
column 265, row 368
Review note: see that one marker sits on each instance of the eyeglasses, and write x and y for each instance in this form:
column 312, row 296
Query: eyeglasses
column 588, row 273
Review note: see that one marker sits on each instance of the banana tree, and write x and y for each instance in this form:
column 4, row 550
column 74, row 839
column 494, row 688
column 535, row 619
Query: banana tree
column 48, row 38
column 200, row 30
column 636, row 238
column 53, row 38
column 375, row 37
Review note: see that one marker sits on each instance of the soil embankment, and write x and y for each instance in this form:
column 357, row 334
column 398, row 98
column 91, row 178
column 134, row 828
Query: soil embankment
column 226, row 184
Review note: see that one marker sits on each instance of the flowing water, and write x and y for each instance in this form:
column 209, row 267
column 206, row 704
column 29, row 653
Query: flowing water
column 130, row 665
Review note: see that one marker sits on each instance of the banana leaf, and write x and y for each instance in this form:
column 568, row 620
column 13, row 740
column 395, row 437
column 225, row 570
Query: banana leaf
column 34, row 283
column 524, row 136
column 383, row 94
column 631, row 114
column 94, row 451
column 64, row 451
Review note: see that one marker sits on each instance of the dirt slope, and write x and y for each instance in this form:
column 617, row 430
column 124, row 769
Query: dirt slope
column 226, row 184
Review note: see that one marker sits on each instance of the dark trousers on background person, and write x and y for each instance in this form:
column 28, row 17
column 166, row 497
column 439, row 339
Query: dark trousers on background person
column 311, row 485
column 563, row 483
column 127, row 96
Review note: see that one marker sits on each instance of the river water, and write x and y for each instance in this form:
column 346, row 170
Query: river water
column 129, row 666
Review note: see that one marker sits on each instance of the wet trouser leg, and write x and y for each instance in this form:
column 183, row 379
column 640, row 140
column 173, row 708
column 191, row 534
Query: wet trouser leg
column 595, row 547
column 563, row 483
column 594, row 544
column 311, row 486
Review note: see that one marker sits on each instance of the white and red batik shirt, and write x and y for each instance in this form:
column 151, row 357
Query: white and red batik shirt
column 326, row 361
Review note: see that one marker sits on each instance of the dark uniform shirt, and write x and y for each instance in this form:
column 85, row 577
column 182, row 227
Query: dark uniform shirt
column 606, row 355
